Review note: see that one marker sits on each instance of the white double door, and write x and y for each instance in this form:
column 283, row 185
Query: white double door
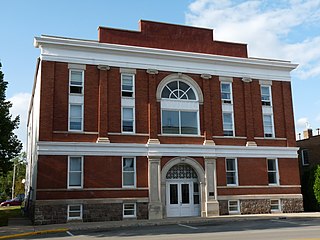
column 182, row 198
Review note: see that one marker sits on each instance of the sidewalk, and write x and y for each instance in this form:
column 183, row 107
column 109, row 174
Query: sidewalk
column 20, row 227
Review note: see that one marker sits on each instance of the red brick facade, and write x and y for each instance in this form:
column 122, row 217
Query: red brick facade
column 102, row 173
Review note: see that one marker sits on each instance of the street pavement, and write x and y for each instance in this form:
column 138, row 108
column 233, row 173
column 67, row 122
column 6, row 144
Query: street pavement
column 246, row 227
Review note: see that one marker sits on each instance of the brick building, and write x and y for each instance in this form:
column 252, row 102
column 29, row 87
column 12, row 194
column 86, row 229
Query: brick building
column 309, row 158
column 160, row 122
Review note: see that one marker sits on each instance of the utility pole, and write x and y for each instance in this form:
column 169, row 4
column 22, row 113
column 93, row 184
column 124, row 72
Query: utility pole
column 13, row 180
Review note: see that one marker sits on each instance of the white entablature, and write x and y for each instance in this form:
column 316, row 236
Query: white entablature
column 92, row 52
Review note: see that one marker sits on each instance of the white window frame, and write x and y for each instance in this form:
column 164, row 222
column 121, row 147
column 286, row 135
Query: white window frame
column 135, row 173
column 277, row 172
column 303, row 158
column 69, row 117
column 179, row 112
column 272, row 127
column 278, row 204
column 232, row 121
column 81, row 212
column 226, row 101
column 82, row 170
column 133, row 119
column 270, row 96
column 235, row 171
column 133, row 85
column 238, row 207
column 134, row 209
column 82, row 79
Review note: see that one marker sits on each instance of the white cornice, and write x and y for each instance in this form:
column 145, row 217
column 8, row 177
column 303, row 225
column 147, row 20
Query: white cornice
column 93, row 52
column 183, row 150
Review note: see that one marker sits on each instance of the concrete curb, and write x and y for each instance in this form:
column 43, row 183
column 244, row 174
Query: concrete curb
column 26, row 234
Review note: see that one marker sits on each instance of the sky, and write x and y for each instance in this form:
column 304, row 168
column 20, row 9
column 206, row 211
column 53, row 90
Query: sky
column 277, row 29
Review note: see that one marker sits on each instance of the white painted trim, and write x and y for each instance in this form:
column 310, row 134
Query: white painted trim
column 91, row 201
column 238, row 207
column 259, row 196
column 128, row 134
column 78, row 132
column 225, row 79
column 93, row 52
column 134, row 208
column 128, row 70
column 77, row 66
column 265, row 82
column 183, row 150
column 92, row 189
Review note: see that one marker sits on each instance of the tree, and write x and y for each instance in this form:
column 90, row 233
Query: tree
column 10, row 145
column 316, row 185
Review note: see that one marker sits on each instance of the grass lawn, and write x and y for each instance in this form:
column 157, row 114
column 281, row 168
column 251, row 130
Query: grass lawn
column 7, row 212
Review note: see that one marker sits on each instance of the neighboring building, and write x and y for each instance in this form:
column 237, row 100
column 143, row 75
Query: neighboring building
column 160, row 122
column 309, row 158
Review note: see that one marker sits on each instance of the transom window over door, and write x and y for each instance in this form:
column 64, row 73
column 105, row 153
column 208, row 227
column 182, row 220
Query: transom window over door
column 179, row 109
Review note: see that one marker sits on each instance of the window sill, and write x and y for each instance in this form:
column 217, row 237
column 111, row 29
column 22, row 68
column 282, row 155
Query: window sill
column 180, row 135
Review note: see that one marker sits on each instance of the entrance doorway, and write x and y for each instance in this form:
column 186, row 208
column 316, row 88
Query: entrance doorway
column 182, row 191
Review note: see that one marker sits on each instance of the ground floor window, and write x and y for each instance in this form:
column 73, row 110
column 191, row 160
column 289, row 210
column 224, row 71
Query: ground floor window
column 233, row 206
column 75, row 212
column 129, row 210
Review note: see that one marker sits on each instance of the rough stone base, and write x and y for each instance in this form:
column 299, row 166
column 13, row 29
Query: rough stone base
column 255, row 206
column 53, row 214
column 259, row 206
column 292, row 205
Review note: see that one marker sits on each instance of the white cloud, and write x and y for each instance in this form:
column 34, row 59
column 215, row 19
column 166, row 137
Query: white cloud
column 302, row 122
column 264, row 26
column 20, row 105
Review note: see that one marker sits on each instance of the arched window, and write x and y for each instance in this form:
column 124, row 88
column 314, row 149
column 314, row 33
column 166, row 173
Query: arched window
column 179, row 108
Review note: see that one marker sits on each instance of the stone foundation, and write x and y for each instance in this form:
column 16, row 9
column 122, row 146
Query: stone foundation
column 255, row 206
column 292, row 205
column 57, row 213
column 260, row 206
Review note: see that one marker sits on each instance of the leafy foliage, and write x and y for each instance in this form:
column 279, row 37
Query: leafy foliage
column 316, row 185
column 10, row 145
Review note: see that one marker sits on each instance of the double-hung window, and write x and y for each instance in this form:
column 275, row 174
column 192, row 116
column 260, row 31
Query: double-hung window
column 226, row 94
column 266, row 95
column 232, row 172
column 275, row 205
column 76, row 81
column 75, row 117
column 75, row 172
column 273, row 175
column 128, row 119
column 227, row 124
column 127, row 85
column 305, row 157
column 129, row 172
column 268, row 125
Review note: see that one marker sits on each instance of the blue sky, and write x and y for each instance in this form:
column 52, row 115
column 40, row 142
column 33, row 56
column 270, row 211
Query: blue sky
column 283, row 29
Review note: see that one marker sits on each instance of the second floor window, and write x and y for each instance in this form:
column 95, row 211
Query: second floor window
column 305, row 157
column 227, row 124
column 75, row 117
column 268, row 125
column 226, row 94
column 179, row 109
column 127, row 85
column 266, row 95
column 128, row 119
column 76, row 81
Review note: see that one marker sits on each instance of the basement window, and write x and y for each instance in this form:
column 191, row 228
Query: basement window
column 234, row 206
column 75, row 212
column 129, row 210
column 275, row 205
